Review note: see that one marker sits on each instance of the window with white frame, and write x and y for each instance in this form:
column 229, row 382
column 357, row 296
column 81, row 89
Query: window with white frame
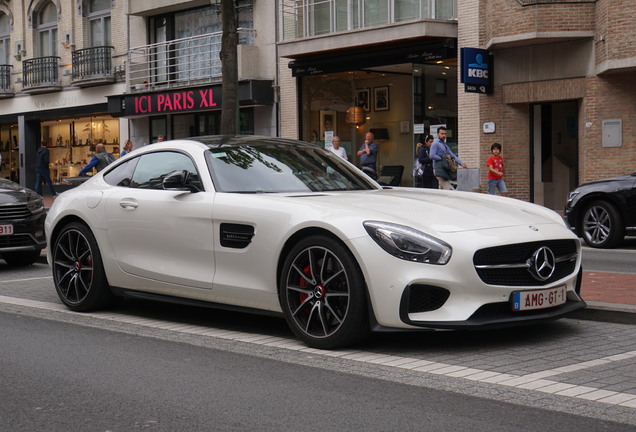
column 99, row 23
column 5, row 40
column 47, row 30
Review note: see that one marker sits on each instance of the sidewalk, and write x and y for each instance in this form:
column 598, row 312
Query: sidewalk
column 610, row 296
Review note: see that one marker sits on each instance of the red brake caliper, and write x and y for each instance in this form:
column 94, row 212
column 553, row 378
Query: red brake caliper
column 303, row 283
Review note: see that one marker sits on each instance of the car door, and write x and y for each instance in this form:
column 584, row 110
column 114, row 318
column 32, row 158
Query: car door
column 158, row 234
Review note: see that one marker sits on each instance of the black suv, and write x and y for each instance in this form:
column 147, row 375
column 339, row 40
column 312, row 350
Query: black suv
column 22, row 217
column 604, row 211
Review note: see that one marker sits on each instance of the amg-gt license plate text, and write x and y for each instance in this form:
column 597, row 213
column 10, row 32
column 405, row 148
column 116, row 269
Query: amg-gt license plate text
column 538, row 299
column 6, row 229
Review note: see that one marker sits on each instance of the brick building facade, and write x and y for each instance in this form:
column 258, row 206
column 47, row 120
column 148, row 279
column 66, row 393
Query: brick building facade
column 564, row 102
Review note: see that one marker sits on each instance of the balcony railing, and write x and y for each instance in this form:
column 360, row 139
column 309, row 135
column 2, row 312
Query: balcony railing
column 40, row 73
column 5, row 80
column 93, row 65
column 178, row 63
column 308, row 18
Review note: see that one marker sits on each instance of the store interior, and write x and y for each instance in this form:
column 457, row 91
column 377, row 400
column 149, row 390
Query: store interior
column 72, row 142
column 401, row 103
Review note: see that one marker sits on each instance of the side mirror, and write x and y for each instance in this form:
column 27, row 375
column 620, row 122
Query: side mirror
column 178, row 181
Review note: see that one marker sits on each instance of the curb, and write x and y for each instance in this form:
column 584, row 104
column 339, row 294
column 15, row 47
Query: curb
column 616, row 313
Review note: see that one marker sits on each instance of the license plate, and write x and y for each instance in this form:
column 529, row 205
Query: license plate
column 538, row 299
column 6, row 229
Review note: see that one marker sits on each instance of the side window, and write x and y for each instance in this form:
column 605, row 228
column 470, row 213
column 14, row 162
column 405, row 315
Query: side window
column 122, row 174
column 152, row 168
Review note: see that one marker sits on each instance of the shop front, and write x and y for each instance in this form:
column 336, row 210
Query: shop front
column 71, row 122
column 400, row 93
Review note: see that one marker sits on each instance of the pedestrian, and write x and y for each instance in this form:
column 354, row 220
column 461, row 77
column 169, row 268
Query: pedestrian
column 428, row 179
column 42, row 171
column 337, row 149
column 161, row 138
column 128, row 146
column 369, row 156
column 100, row 161
column 495, row 174
column 438, row 151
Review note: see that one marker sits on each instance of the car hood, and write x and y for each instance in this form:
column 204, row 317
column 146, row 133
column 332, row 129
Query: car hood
column 11, row 193
column 442, row 211
column 611, row 179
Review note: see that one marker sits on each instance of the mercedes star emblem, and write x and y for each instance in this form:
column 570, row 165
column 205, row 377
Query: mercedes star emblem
column 542, row 264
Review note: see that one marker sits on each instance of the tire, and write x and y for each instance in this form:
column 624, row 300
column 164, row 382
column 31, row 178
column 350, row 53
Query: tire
column 17, row 259
column 323, row 294
column 78, row 272
column 602, row 225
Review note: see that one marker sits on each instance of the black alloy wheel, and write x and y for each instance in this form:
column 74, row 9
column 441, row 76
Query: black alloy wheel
column 323, row 294
column 78, row 273
column 602, row 225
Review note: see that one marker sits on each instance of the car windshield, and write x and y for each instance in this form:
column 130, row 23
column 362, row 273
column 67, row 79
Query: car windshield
column 281, row 167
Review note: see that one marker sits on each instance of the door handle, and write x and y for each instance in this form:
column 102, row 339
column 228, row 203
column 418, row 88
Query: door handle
column 128, row 203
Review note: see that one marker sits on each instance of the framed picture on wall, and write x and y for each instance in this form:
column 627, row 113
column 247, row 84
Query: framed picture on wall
column 381, row 98
column 362, row 98
column 327, row 123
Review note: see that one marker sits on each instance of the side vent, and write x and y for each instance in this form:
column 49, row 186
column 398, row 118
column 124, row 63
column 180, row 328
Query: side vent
column 236, row 236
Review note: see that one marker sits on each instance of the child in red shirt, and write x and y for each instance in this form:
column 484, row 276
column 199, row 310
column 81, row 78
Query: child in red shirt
column 496, row 171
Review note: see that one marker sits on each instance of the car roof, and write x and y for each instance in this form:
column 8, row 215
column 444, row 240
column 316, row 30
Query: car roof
column 234, row 140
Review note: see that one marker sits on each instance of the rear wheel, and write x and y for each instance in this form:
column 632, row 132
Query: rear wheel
column 21, row 258
column 602, row 225
column 323, row 294
column 78, row 273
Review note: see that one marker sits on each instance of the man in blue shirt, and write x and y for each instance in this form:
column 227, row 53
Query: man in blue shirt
column 100, row 161
column 438, row 150
column 369, row 156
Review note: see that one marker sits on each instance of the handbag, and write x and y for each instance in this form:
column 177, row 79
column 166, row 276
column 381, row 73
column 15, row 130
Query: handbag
column 417, row 168
column 452, row 163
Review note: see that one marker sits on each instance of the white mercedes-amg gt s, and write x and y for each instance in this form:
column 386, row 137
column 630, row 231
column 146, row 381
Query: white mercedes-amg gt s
column 284, row 227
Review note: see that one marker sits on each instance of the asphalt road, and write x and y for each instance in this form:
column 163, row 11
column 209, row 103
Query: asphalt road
column 621, row 260
column 59, row 376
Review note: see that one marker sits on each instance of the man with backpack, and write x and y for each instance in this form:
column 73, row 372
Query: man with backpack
column 100, row 161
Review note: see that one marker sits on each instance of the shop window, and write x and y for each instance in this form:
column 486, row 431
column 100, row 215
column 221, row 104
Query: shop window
column 5, row 41
column 99, row 23
column 158, row 127
column 47, row 30
column 72, row 142
column 9, row 149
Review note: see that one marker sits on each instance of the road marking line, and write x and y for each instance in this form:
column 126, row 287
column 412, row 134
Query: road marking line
column 25, row 279
column 534, row 381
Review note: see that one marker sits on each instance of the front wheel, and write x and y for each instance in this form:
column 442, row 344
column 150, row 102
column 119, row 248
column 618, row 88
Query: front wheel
column 323, row 294
column 602, row 225
column 78, row 273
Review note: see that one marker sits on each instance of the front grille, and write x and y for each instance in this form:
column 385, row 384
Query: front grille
column 425, row 298
column 564, row 251
column 14, row 211
column 16, row 241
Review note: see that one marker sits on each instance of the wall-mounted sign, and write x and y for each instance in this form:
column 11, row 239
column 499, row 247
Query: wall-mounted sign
column 476, row 70
column 489, row 127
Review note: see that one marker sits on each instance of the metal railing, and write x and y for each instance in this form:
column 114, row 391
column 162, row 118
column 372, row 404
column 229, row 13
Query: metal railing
column 5, row 78
column 92, row 62
column 307, row 18
column 179, row 62
column 40, row 72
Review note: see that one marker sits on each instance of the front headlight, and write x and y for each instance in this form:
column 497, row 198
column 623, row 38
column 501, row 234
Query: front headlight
column 35, row 204
column 571, row 196
column 409, row 244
